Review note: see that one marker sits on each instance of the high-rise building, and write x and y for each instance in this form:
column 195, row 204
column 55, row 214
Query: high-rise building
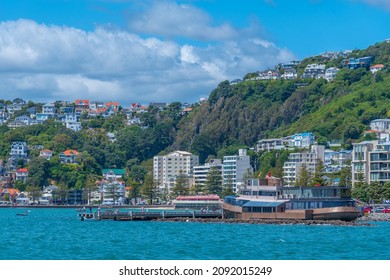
column 234, row 169
column 167, row 168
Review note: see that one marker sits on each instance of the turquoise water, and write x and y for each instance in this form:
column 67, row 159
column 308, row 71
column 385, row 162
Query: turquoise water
column 58, row 234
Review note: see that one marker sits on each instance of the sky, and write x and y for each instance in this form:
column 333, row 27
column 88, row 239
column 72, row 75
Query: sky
column 165, row 51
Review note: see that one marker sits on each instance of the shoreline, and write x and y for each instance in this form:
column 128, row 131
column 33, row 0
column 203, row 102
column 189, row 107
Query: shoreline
column 268, row 221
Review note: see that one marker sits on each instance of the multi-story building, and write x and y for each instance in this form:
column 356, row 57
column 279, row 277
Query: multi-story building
column 18, row 152
column 330, row 73
column 301, row 140
column 68, row 156
column 361, row 161
column 167, row 168
column 296, row 161
column 355, row 63
column 314, row 71
column 380, row 125
column 49, row 108
column 200, row 172
column 234, row 169
column 371, row 162
column 271, row 144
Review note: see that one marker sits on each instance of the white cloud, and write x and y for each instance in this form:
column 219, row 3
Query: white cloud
column 47, row 63
column 169, row 19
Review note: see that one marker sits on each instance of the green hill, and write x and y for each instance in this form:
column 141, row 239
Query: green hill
column 241, row 114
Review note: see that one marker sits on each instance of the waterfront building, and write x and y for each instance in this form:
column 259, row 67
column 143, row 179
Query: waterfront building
column 371, row 162
column 234, row 169
column 361, row 161
column 167, row 168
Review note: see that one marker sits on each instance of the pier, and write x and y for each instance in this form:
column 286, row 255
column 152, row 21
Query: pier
column 147, row 216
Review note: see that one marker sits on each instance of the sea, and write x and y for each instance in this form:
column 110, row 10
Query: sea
column 58, row 234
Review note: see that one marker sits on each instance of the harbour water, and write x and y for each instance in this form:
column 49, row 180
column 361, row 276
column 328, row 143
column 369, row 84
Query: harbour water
column 58, row 234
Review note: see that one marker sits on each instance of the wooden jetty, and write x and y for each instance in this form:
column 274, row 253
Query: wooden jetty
column 147, row 216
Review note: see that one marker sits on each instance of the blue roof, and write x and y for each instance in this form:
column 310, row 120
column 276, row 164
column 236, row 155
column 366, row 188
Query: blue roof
column 263, row 204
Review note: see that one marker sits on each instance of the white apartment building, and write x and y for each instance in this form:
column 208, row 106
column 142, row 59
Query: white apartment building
column 234, row 169
column 380, row 124
column 271, row 144
column 200, row 172
column 330, row 73
column 371, row 162
column 301, row 140
column 166, row 168
column 296, row 161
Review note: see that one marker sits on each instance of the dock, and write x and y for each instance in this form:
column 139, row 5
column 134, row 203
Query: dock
column 147, row 216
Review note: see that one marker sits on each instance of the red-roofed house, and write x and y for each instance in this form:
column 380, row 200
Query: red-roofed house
column 376, row 68
column 21, row 174
column 68, row 156
column 112, row 104
column 81, row 106
column 8, row 194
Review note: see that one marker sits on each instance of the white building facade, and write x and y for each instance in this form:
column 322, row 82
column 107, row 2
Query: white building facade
column 234, row 169
column 167, row 168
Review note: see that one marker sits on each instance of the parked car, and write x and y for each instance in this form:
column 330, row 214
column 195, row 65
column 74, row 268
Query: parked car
column 367, row 209
column 379, row 209
column 386, row 210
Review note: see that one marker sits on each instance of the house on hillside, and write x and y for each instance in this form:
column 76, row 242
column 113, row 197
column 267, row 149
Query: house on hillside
column 21, row 174
column 46, row 153
column 113, row 174
column 68, row 156
column 377, row 67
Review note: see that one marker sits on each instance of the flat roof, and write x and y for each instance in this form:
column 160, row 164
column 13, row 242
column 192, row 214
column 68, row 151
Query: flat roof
column 263, row 203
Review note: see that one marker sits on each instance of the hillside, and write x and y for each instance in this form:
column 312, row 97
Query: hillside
column 241, row 114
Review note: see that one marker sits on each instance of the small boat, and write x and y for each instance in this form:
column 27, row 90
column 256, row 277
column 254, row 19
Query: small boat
column 25, row 213
column 87, row 217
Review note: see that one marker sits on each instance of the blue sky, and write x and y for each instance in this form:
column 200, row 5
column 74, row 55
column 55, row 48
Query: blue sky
column 147, row 50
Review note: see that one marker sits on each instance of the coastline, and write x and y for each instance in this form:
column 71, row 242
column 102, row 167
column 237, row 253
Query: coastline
column 269, row 221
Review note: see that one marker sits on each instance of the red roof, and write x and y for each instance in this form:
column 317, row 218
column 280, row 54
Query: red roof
column 108, row 104
column 71, row 152
column 46, row 151
column 22, row 170
column 377, row 66
column 83, row 102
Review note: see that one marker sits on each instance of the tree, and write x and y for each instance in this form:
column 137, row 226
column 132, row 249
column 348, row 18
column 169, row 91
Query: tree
column 150, row 188
column 317, row 179
column 181, row 184
column 90, row 186
column 360, row 191
column 228, row 187
column 304, row 176
column 345, row 177
column 213, row 184
column 113, row 190
column 34, row 192
column 38, row 171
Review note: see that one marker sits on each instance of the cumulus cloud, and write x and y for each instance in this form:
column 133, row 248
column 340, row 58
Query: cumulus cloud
column 47, row 63
column 178, row 20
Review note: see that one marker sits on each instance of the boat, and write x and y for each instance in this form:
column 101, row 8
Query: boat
column 87, row 217
column 25, row 213
column 262, row 201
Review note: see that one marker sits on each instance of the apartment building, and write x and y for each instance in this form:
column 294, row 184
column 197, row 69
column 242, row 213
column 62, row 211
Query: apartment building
column 166, row 168
column 234, row 169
